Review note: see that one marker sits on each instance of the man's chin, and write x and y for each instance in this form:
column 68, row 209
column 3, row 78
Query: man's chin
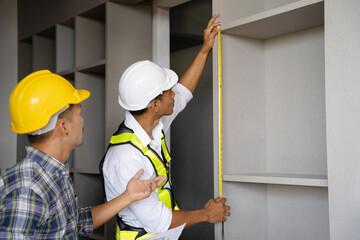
column 81, row 143
column 168, row 114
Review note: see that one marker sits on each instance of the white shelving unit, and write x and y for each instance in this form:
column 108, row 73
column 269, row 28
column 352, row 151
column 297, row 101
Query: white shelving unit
column 274, row 122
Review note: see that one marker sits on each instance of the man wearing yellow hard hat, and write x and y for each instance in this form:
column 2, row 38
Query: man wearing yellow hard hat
column 37, row 199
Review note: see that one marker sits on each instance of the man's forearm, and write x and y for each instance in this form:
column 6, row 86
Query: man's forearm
column 104, row 212
column 189, row 217
column 214, row 211
column 192, row 75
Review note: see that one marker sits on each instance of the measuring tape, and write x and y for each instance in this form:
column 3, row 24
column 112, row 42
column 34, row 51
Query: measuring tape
column 220, row 115
column 220, row 128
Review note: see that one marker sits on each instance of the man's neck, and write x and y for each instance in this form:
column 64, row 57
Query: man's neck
column 148, row 122
column 54, row 150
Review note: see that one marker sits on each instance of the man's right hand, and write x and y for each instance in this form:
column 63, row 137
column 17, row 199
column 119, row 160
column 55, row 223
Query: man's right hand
column 217, row 210
column 138, row 189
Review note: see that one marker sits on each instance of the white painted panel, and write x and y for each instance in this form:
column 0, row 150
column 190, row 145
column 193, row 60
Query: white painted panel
column 297, row 213
column 248, row 218
column 295, row 103
column 243, row 105
column 283, row 20
column 231, row 10
column 282, row 179
column 343, row 116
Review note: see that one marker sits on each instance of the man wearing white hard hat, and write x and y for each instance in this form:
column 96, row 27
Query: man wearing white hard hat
column 37, row 199
column 153, row 98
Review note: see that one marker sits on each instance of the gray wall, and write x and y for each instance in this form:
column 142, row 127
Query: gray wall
column 8, row 70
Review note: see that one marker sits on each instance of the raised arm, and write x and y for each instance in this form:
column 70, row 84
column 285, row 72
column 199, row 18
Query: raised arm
column 135, row 190
column 192, row 75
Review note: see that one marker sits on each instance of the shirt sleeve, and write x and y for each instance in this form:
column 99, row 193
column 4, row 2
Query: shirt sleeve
column 85, row 221
column 182, row 97
column 22, row 211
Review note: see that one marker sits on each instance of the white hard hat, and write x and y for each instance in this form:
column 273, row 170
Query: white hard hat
column 142, row 82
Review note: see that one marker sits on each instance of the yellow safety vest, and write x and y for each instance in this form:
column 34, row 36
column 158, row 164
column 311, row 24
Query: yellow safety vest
column 125, row 135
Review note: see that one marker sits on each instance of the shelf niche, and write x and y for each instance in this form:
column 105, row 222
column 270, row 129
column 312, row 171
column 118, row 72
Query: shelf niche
column 274, row 101
column 65, row 46
column 276, row 212
column 90, row 36
column 44, row 50
column 90, row 153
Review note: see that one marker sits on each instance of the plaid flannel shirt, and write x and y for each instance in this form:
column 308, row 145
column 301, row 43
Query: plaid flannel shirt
column 37, row 201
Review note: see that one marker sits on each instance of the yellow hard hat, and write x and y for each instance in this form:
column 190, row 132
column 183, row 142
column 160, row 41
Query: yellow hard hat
column 39, row 96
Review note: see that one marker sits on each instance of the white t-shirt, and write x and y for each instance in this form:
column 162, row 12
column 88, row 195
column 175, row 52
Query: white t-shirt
column 123, row 161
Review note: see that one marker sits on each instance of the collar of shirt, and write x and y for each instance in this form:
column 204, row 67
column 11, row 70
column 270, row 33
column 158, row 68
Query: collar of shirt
column 48, row 162
column 144, row 138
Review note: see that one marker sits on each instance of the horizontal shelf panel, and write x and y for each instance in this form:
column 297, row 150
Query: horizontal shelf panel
column 283, row 20
column 85, row 171
column 97, row 67
column 67, row 72
column 275, row 178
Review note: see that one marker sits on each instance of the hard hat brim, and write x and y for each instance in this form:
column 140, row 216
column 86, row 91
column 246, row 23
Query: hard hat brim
column 83, row 94
column 173, row 78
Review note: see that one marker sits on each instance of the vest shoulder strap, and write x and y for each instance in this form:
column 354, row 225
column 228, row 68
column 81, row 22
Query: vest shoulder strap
column 126, row 135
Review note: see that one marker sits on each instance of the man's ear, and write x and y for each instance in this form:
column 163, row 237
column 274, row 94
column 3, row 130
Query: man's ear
column 155, row 105
column 63, row 126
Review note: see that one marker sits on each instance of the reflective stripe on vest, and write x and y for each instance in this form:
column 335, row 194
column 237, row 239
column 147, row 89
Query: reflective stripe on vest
column 129, row 235
column 126, row 136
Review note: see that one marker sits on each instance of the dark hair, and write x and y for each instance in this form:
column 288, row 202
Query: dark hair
column 39, row 138
column 43, row 137
column 142, row 111
column 67, row 113
column 138, row 112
